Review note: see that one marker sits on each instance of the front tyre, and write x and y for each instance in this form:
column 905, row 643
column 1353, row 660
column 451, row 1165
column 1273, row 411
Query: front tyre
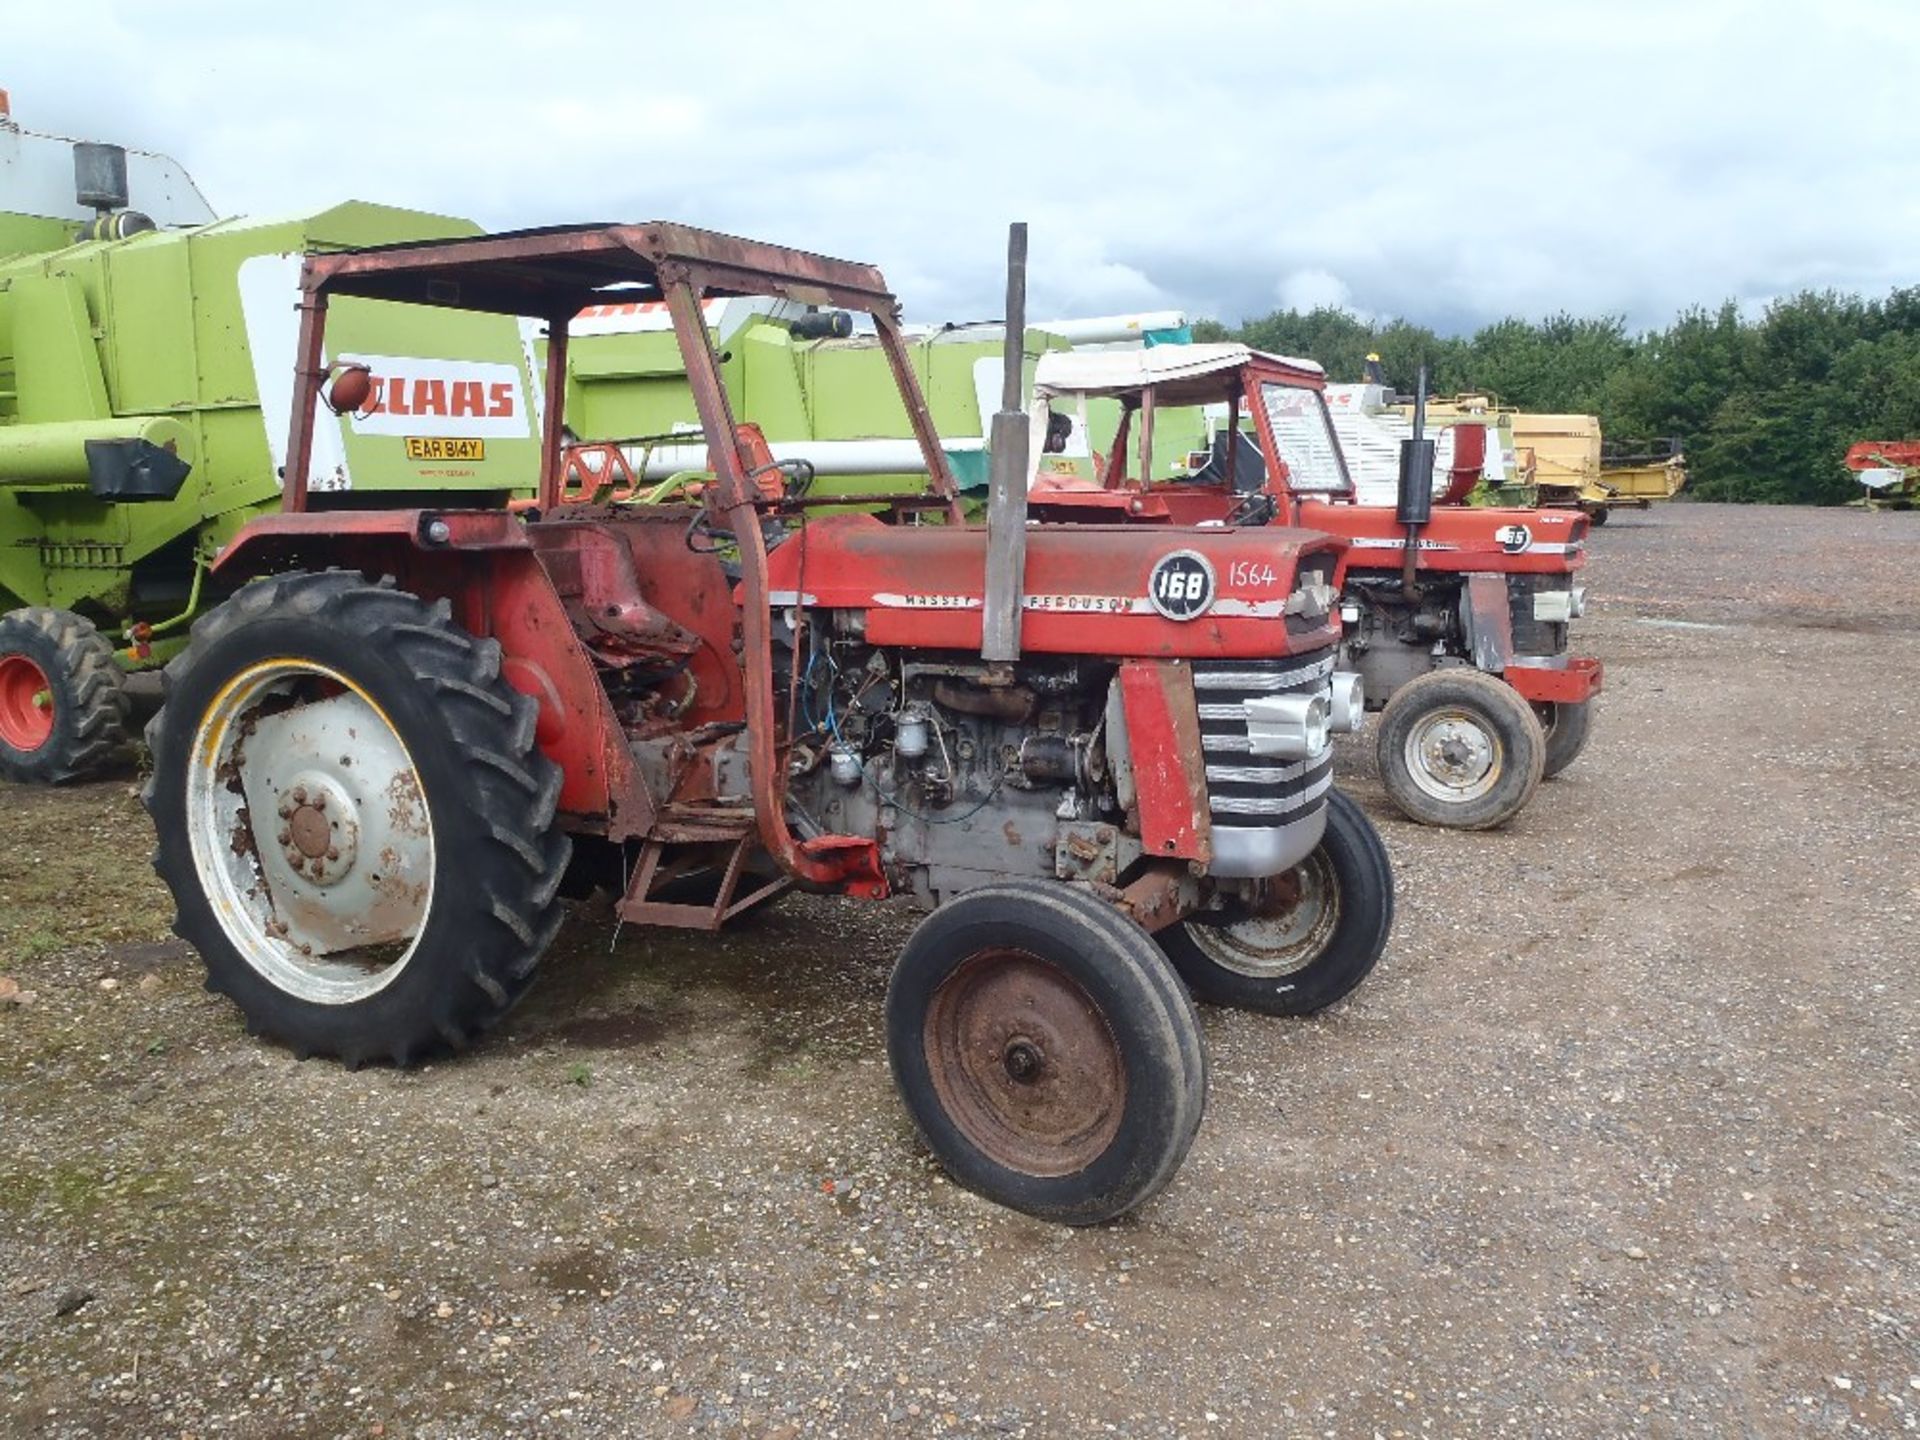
column 1566, row 728
column 353, row 818
column 63, row 698
column 1309, row 936
column 1044, row 1051
column 1460, row 748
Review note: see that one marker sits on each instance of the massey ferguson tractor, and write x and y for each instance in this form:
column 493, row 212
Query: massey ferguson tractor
column 1455, row 619
column 1098, row 757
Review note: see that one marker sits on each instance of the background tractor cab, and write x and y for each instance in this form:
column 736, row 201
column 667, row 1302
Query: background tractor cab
column 1455, row 617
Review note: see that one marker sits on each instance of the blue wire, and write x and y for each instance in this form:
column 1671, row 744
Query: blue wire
column 806, row 694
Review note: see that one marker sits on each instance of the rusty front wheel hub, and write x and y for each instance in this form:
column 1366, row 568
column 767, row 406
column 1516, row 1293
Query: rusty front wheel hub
column 1024, row 1061
column 1025, row 1064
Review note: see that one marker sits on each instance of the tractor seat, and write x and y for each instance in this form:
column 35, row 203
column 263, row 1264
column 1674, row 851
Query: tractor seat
column 1249, row 469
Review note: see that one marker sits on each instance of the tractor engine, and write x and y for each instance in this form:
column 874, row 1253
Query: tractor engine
column 1391, row 641
column 967, row 772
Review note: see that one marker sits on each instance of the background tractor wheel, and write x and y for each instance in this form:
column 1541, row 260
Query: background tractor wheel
column 1045, row 1051
column 1460, row 748
column 63, row 699
column 1314, row 935
column 1566, row 728
column 354, row 820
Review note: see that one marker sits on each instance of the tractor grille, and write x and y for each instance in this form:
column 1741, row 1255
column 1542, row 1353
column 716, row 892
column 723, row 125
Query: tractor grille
column 1244, row 789
column 1531, row 636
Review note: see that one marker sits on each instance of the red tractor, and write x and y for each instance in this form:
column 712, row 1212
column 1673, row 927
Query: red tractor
column 1455, row 618
column 384, row 760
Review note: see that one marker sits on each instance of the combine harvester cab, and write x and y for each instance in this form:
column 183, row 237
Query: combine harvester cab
column 146, row 365
column 1456, row 618
column 1100, row 759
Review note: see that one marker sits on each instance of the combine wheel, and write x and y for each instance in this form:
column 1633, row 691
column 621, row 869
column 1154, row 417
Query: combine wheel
column 354, row 820
column 1048, row 1055
column 1313, row 934
column 63, row 699
column 1566, row 728
column 1460, row 748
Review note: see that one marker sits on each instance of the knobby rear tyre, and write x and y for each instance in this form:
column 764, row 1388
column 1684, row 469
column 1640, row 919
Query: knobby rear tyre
column 82, row 709
column 493, row 858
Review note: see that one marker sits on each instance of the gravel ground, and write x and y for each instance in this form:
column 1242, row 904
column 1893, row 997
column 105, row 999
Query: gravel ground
column 1619, row 1138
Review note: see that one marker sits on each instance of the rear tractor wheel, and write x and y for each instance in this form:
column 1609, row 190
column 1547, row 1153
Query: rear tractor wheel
column 353, row 818
column 1460, row 748
column 1310, row 937
column 63, row 699
column 1048, row 1055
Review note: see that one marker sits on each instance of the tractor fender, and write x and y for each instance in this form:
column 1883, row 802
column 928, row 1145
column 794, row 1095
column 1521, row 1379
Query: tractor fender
column 508, row 597
column 274, row 543
column 1153, row 743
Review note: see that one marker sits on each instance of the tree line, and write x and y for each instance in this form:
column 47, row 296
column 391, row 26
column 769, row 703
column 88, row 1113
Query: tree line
column 1766, row 408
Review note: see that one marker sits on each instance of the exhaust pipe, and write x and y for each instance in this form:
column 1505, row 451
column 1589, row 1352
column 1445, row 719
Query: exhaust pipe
column 1415, row 506
column 1007, row 473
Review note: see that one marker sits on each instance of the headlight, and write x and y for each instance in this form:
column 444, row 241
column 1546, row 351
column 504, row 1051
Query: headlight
column 1553, row 606
column 1349, row 709
column 1289, row 727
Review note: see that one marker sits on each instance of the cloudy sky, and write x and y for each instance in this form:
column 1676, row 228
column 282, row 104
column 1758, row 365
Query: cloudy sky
column 1453, row 164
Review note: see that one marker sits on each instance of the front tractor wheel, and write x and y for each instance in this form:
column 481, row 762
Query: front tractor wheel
column 1307, row 938
column 1049, row 1057
column 63, row 698
column 1566, row 728
column 353, row 818
column 1460, row 748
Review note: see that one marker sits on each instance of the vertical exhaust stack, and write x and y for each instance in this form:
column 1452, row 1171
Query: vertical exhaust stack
column 100, row 176
column 1415, row 507
column 1007, row 473
column 100, row 180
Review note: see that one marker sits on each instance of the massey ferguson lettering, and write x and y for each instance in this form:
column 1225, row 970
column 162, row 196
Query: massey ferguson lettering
column 449, row 399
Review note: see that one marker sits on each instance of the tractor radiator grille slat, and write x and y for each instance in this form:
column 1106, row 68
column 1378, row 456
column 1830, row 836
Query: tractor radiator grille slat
column 1247, row 789
column 1531, row 636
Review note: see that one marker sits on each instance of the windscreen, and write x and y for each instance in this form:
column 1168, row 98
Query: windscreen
column 1303, row 431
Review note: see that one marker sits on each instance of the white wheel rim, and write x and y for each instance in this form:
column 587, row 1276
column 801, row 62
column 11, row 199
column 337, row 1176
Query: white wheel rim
column 1453, row 755
column 1278, row 944
column 310, row 832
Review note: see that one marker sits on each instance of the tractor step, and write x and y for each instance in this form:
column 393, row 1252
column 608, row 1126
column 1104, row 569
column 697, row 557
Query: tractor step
column 663, row 864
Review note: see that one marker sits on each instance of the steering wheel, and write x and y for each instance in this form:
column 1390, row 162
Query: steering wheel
column 1256, row 507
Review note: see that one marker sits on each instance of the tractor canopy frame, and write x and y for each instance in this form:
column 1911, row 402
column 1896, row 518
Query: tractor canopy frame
column 552, row 274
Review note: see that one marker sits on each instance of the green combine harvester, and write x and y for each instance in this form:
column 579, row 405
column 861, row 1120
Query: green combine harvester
column 146, row 375
column 820, row 393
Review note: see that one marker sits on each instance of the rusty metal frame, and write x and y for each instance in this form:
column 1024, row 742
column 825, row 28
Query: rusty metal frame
column 552, row 274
